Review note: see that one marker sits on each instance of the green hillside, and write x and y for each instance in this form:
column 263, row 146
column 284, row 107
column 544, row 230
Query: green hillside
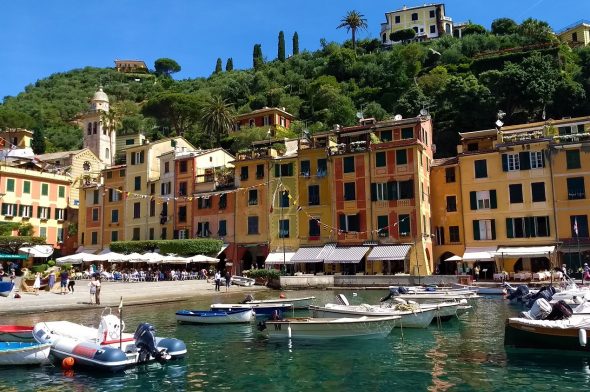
column 519, row 69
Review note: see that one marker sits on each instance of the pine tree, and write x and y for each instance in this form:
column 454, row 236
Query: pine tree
column 281, row 51
column 295, row 44
column 229, row 65
column 218, row 68
column 38, row 142
column 257, row 57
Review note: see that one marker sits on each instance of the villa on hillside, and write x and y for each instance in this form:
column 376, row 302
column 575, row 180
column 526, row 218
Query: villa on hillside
column 131, row 66
column 428, row 21
column 274, row 118
column 576, row 34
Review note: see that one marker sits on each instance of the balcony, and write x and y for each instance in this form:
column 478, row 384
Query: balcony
column 213, row 180
column 346, row 148
column 257, row 153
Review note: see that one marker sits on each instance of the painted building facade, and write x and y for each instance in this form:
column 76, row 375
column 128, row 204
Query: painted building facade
column 273, row 118
column 577, row 34
column 429, row 21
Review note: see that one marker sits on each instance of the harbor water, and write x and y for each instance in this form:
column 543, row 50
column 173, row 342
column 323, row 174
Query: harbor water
column 460, row 355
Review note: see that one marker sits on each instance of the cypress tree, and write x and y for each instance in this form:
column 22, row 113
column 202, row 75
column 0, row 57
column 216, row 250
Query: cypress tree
column 281, row 51
column 229, row 65
column 257, row 56
column 295, row 44
column 38, row 142
column 218, row 68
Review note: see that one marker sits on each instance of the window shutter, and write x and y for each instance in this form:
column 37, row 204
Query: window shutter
column 373, row 191
column 133, row 158
column 525, row 160
column 411, row 188
column 505, row 162
column 342, row 219
column 493, row 229
column 38, row 212
column 290, row 170
column 392, row 190
column 543, row 156
column 175, row 234
column 48, row 212
column 277, row 170
column 473, row 200
column 476, row 230
column 65, row 214
column 21, row 208
column 199, row 203
column 493, row 199
column 528, row 226
column 509, row 229
column 4, row 208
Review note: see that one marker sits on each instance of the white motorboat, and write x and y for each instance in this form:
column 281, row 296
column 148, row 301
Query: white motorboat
column 23, row 353
column 215, row 316
column 242, row 281
column 261, row 310
column 329, row 328
column 298, row 303
column 482, row 290
column 424, row 296
column 411, row 318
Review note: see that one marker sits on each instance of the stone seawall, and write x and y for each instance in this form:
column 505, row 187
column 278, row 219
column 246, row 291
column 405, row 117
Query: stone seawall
column 323, row 281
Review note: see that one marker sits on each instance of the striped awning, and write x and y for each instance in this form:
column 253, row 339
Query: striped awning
column 279, row 258
column 352, row 254
column 389, row 252
column 308, row 255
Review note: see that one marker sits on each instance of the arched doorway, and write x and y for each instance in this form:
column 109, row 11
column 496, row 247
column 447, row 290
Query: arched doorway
column 447, row 267
column 247, row 260
column 534, row 264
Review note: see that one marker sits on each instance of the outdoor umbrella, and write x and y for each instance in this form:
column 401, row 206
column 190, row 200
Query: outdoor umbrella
column 173, row 259
column 203, row 259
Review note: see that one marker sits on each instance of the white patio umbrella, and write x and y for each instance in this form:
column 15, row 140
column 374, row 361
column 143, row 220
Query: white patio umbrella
column 152, row 258
column 109, row 257
column 173, row 259
column 203, row 259
column 76, row 258
column 132, row 258
column 454, row 258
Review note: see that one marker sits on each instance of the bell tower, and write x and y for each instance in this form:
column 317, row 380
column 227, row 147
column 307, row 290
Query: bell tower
column 99, row 137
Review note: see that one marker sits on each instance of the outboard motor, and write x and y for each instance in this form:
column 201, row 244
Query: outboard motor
column 546, row 292
column 517, row 294
column 248, row 298
column 145, row 340
column 560, row 311
column 393, row 291
column 539, row 311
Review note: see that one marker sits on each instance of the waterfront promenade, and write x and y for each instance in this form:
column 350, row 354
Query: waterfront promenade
column 139, row 293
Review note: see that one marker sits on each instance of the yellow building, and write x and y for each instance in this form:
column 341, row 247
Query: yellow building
column 131, row 66
column 428, row 21
column 114, row 204
column 275, row 119
column 577, row 34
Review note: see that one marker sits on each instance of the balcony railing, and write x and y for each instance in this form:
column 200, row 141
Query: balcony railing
column 343, row 148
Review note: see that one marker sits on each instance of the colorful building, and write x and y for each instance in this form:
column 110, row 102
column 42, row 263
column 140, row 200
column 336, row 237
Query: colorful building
column 274, row 118
column 131, row 66
column 577, row 34
column 428, row 21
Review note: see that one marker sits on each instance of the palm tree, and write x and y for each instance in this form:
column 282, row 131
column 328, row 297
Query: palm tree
column 353, row 21
column 217, row 118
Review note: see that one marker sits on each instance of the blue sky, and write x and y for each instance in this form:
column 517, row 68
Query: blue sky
column 44, row 37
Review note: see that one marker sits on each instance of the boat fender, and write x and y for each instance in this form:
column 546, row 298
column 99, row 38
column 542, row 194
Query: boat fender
column 582, row 337
column 289, row 330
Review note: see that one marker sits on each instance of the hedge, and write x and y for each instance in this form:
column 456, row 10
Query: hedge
column 188, row 247
column 262, row 273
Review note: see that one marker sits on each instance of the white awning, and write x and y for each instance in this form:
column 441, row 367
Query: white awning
column 525, row 251
column 279, row 258
column 352, row 254
column 389, row 252
column 479, row 254
column 308, row 255
column 37, row 250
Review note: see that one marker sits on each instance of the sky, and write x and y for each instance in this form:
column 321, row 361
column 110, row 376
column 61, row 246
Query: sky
column 45, row 37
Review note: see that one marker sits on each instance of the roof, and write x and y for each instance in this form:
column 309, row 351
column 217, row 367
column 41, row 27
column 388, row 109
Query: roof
column 416, row 7
column 389, row 252
column 444, row 161
column 479, row 134
column 117, row 61
column 574, row 26
column 100, row 95
column 264, row 110
column 58, row 155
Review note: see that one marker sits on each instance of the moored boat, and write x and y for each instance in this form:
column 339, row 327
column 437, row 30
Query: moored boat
column 298, row 303
column 482, row 290
column 569, row 334
column 16, row 333
column 261, row 310
column 414, row 318
column 23, row 353
column 329, row 328
column 6, row 288
column 242, row 281
column 215, row 316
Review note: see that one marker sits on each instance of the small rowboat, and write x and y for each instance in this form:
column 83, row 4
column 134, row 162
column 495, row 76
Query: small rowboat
column 24, row 353
column 215, row 316
column 261, row 310
column 16, row 333
column 298, row 303
column 6, row 288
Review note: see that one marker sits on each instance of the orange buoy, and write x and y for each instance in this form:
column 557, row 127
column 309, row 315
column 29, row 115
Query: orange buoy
column 69, row 373
column 282, row 295
column 67, row 363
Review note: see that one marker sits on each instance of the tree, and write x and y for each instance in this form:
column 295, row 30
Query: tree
column 403, row 35
column 473, row 28
column 217, row 118
column 257, row 59
column 281, row 47
column 229, row 65
column 353, row 21
column 295, row 43
column 12, row 119
column 166, row 67
column 536, row 31
column 175, row 111
column 38, row 142
column 504, row 26
column 218, row 66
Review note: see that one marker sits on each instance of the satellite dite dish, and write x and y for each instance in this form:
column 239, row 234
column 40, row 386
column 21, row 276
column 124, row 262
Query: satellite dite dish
column 397, row 117
column 423, row 112
column 359, row 115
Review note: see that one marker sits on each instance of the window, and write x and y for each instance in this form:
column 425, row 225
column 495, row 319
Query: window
column 114, row 236
column 182, row 234
column 95, row 197
column 244, row 173
column 431, row 13
column 483, row 200
column 203, row 229
column 415, row 16
column 25, row 211
column 451, row 203
column 314, row 228
column 397, row 19
column 152, row 189
column 89, row 129
column 284, row 199
column 182, row 166
column 322, row 167
column 94, row 214
column 403, row 224
column 579, row 225
column 8, row 209
column 386, row 136
column 260, row 171
column 407, row 133
column 136, row 210
column 537, row 160
column 380, row 159
column 203, row 202
column 122, row 173
column 513, row 162
column 253, row 197
column 405, row 189
column 472, row 146
column 137, row 183
column 283, row 228
column 454, row 234
column 381, row 192
column 573, row 129
column 163, row 233
column 573, row 159
column 383, row 225
column 223, row 201
column 109, row 175
column 574, row 37
column 60, row 235
column 137, row 157
column 165, row 188
column 284, row 170
column 166, row 167
column 401, row 157
column 182, row 188
column 313, row 195
column 440, row 235
column 349, row 223
column 94, row 126
column 113, row 195
column 93, row 236
column 305, row 168
column 450, row 174
column 60, row 214
column 575, row 188
column 129, row 142
column 152, row 207
column 348, row 164
column 432, row 29
column 481, row 168
column 82, row 239
column 538, row 191
column 135, row 234
column 222, row 231
column 27, row 187
column 484, row 229
column 10, row 185
column 349, row 191
column 515, row 191
column 252, row 225
column 61, row 191
column 114, row 216
column 44, row 189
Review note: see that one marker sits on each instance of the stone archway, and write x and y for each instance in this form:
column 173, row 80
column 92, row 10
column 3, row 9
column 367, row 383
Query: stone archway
column 447, row 267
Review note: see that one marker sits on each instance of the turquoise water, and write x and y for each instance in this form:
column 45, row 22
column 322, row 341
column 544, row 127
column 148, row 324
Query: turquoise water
column 461, row 355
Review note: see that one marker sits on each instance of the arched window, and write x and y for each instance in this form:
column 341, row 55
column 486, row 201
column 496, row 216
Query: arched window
column 94, row 127
column 89, row 132
column 384, row 37
column 107, row 153
column 104, row 129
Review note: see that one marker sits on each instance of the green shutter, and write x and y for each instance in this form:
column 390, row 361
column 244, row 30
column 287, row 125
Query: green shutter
column 509, row 228
column 38, row 212
column 4, row 208
column 48, row 212
column 62, row 191
column 10, row 185
column 373, row 191
column 277, row 170
column 476, row 230
column 543, row 156
column 342, row 219
column 44, row 189
column 27, row 187
column 473, row 200
column 392, row 190
column 493, row 199
column 493, row 229
column 524, row 158
column 505, row 162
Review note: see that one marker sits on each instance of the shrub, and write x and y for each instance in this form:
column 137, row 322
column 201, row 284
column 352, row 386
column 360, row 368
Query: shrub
column 51, row 263
column 262, row 274
column 40, row 268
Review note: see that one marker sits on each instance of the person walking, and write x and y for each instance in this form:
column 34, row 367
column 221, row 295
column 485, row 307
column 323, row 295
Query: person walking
column 217, row 280
column 92, row 285
column 63, row 277
column 37, row 283
column 586, row 274
column 51, row 280
column 71, row 284
column 97, row 293
column 227, row 280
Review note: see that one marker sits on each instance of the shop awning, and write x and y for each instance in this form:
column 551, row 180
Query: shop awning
column 279, row 258
column 37, row 250
column 352, row 254
column 223, row 248
column 6, row 256
column 525, row 251
column 479, row 254
column 389, row 252
column 308, row 255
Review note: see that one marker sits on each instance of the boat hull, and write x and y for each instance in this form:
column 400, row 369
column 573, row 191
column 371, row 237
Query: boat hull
column 261, row 310
column 524, row 336
column 24, row 353
column 215, row 317
column 298, row 303
column 418, row 319
column 6, row 288
column 16, row 333
column 330, row 328
column 242, row 281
